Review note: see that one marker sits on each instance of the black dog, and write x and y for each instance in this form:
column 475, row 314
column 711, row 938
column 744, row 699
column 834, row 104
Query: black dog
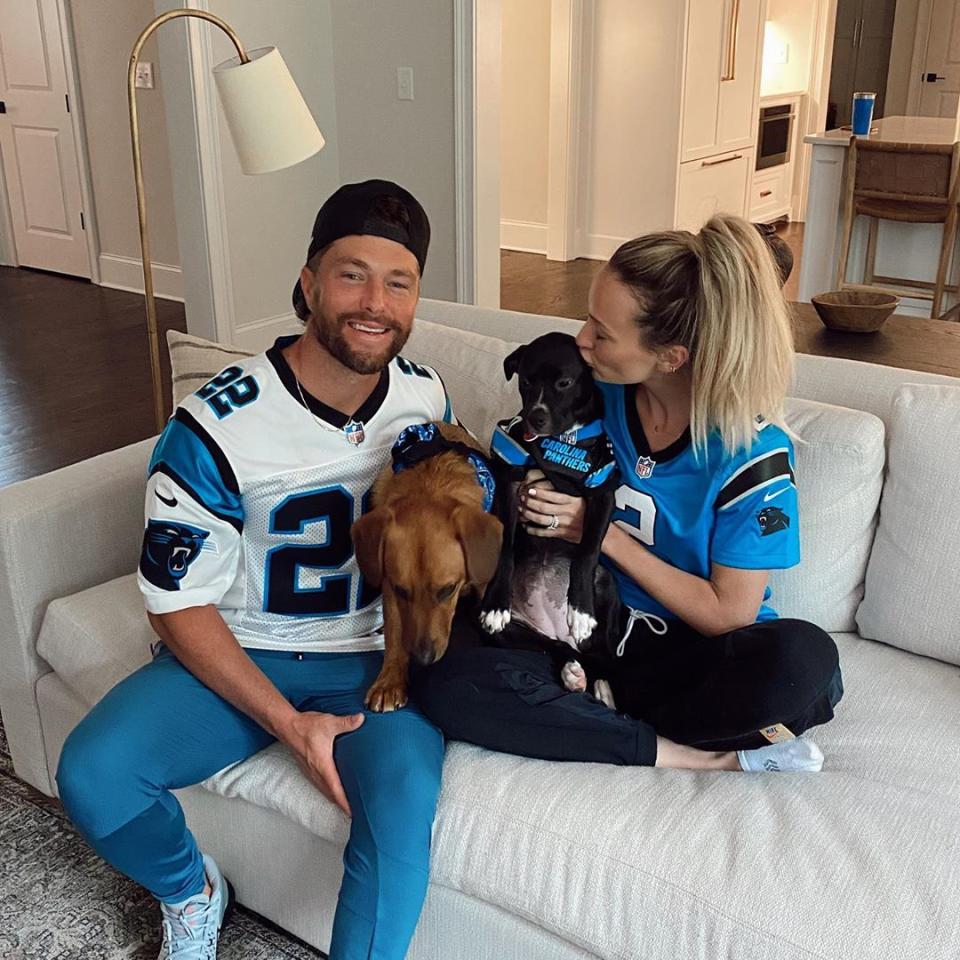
column 548, row 592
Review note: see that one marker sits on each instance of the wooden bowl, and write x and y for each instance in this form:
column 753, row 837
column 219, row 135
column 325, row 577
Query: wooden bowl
column 857, row 311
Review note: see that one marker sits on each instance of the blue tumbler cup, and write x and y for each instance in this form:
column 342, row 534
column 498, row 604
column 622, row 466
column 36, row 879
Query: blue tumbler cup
column 862, row 113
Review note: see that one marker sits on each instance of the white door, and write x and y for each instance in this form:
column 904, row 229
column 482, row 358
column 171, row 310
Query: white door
column 36, row 140
column 721, row 77
column 740, row 95
column 940, row 97
column 708, row 24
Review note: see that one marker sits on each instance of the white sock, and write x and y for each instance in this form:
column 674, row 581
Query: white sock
column 790, row 756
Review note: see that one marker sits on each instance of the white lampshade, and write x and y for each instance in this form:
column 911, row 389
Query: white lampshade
column 269, row 122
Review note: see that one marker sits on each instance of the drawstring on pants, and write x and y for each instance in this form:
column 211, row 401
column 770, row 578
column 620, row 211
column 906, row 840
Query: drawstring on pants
column 656, row 624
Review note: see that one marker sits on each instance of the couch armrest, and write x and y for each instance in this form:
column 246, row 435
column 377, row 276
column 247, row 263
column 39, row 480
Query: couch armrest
column 59, row 533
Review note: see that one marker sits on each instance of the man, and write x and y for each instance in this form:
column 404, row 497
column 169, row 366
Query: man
column 268, row 630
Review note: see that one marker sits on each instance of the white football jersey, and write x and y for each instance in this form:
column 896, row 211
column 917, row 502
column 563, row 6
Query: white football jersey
column 251, row 496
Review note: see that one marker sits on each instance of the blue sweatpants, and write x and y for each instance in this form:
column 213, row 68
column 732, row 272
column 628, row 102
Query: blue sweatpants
column 162, row 729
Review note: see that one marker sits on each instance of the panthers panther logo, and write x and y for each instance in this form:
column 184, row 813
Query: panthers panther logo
column 772, row 519
column 168, row 550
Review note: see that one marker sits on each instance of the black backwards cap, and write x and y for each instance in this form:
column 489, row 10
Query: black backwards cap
column 376, row 208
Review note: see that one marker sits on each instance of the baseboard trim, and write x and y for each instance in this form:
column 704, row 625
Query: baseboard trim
column 599, row 246
column 125, row 273
column 523, row 235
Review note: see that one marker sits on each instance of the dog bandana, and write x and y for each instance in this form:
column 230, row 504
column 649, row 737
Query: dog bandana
column 420, row 441
column 579, row 463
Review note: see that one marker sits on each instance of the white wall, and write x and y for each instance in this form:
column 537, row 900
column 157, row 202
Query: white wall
column 104, row 34
column 524, row 123
column 265, row 221
column 631, row 151
column 790, row 23
column 410, row 142
column 901, row 56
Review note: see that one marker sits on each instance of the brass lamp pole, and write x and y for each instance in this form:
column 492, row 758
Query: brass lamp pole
column 270, row 124
column 158, row 405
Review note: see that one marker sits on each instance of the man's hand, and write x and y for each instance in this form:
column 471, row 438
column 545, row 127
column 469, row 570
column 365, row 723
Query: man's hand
column 540, row 503
column 311, row 737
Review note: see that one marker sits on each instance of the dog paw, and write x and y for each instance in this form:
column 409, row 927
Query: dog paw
column 581, row 624
column 384, row 698
column 494, row 621
column 602, row 691
column 573, row 677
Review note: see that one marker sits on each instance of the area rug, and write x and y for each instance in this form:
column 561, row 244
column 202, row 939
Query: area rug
column 60, row 901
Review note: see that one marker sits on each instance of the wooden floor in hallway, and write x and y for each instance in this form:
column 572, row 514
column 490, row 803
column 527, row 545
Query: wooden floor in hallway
column 74, row 370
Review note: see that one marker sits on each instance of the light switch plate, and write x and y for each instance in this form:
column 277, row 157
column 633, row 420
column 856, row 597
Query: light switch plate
column 144, row 75
column 404, row 83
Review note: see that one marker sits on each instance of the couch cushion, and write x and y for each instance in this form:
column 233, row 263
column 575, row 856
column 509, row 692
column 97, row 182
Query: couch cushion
column 95, row 638
column 193, row 361
column 861, row 856
column 839, row 479
column 911, row 599
column 471, row 366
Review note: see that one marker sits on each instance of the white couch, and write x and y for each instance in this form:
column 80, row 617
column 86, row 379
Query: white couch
column 548, row 861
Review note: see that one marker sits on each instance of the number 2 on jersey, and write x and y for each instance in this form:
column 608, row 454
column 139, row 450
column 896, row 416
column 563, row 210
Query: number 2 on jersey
column 332, row 598
column 641, row 510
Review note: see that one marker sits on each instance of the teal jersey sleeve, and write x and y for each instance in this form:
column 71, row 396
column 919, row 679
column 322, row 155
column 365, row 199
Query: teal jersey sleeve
column 757, row 522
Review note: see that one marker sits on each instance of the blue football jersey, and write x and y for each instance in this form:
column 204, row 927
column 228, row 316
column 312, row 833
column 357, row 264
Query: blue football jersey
column 251, row 494
column 692, row 510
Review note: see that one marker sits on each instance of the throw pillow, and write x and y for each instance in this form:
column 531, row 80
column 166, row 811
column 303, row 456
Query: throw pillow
column 839, row 468
column 471, row 366
column 193, row 361
column 912, row 600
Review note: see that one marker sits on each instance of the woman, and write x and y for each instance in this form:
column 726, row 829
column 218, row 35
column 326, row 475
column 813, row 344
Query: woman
column 689, row 339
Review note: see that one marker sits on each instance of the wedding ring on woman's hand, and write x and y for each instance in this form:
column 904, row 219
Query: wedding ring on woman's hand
column 554, row 523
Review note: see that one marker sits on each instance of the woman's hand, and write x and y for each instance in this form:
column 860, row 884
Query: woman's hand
column 547, row 513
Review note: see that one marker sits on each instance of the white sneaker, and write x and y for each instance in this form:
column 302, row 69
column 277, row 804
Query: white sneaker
column 191, row 928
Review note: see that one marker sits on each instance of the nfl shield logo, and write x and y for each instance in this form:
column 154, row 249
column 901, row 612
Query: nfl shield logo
column 353, row 431
column 645, row 467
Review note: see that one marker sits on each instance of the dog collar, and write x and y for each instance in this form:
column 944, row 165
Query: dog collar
column 420, row 441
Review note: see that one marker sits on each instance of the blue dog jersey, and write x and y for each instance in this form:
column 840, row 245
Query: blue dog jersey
column 736, row 510
column 579, row 463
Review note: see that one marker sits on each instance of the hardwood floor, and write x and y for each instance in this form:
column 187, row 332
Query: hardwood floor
column 531, row 283
column 74, row 370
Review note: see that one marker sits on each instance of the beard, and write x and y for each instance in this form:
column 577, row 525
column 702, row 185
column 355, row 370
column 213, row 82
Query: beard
column 330, row 334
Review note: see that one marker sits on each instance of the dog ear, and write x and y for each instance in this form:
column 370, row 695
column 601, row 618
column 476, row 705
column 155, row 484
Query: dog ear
column 512, row 363
column 368, row 534
column 480, row 535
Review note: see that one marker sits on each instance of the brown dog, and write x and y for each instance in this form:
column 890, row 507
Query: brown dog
column 427, row 540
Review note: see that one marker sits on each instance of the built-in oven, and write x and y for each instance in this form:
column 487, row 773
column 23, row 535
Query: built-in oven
column 775, row 135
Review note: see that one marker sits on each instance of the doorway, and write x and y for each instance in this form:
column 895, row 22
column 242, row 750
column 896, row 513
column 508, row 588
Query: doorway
column 46, row 221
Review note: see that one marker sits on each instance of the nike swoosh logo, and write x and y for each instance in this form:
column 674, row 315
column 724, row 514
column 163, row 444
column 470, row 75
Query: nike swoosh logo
column 172, row 502
column 766, row 496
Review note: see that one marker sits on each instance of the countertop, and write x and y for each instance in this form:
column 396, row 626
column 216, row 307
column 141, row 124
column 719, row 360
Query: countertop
column 896, row 129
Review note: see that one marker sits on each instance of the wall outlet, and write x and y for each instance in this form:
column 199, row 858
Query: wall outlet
column 404, row 83
column 144, row 75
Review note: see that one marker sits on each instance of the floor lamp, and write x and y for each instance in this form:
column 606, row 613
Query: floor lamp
column 269, row 123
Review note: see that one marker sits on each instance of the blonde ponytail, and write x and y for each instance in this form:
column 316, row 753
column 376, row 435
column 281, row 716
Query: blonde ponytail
column 718, row 294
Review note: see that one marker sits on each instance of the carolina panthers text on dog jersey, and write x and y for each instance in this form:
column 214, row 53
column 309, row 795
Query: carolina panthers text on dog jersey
column 250, row 502
column 737, row 511
column 578, row 463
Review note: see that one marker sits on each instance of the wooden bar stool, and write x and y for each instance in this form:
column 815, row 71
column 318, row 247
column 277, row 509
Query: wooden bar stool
column 908, row 183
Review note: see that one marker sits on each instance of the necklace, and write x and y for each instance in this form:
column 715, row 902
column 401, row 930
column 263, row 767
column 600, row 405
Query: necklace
column 352, row 430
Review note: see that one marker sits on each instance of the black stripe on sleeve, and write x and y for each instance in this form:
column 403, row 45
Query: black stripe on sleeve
column 227, row 475
column 168, row 471
column 758, row 474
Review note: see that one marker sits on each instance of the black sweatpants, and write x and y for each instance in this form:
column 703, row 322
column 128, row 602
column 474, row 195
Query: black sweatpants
column 710, row 692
